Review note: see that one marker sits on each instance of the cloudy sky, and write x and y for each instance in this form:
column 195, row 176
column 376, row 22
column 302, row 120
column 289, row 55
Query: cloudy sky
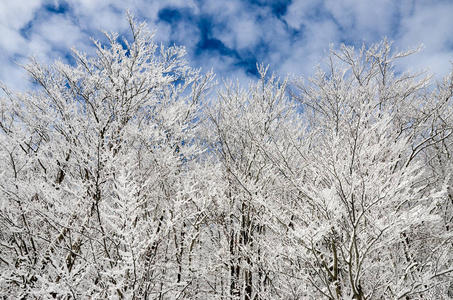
column 229, row 36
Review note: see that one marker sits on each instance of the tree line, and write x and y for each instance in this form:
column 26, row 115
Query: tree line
column 131, row 175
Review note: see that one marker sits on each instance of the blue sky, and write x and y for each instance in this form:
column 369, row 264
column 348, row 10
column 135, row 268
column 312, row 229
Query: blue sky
column 229, row 36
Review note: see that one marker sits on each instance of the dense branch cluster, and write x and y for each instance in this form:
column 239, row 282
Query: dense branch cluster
column 126, row 176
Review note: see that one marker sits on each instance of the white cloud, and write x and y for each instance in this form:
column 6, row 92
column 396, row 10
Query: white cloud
column 58, row 31
column 244, row 32
column 100, row 14
column 363, row 19
column 295, row 43
column 429, row 24
column 14, row 14
column 407, row 22
column 298, row 13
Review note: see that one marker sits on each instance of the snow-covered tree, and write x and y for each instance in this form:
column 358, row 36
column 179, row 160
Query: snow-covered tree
column 368, row 225
column 244, row 125
column 92, row 187
column 119, row 180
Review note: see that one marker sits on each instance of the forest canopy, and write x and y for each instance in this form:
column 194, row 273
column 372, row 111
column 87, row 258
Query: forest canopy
column 131, row 175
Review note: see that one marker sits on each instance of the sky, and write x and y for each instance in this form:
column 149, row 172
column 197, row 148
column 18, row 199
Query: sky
column 229, row 36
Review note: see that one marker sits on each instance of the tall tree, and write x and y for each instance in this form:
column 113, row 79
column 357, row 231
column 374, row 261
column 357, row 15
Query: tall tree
column 245, row 124
column 368, row 216
column 92, row 192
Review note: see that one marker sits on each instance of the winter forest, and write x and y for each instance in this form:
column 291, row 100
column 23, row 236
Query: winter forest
column 131, row 175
